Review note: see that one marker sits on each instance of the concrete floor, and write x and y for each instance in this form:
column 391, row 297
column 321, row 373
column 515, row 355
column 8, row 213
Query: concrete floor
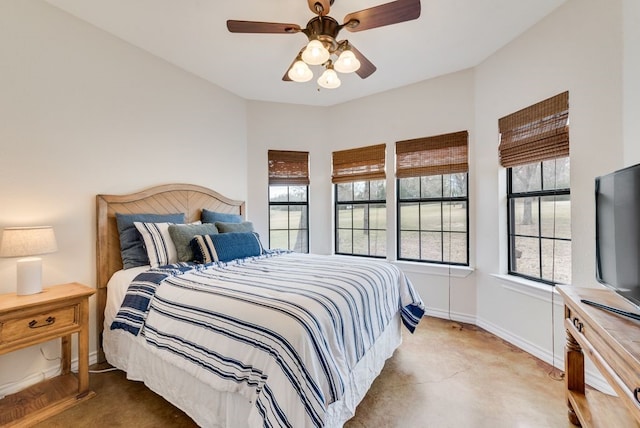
column 442, row 376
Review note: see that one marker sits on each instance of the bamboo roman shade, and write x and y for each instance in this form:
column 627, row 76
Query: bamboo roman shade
column 288, row 168
column 441, row 154
column 536, row 133
column 365, row 163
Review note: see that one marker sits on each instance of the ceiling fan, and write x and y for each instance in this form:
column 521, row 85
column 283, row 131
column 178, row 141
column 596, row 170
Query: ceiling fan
column 322, row 32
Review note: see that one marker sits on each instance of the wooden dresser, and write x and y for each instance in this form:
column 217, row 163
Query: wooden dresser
column 56, row 312
column 612, row 343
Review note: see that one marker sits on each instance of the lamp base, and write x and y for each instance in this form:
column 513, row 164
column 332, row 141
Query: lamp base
column 29, row 276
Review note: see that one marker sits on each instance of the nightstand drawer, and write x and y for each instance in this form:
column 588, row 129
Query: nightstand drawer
column 47, row 322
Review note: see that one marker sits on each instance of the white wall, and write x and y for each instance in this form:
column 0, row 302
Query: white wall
column 432, row 107
column 273, row 126
column 577, row 48
column 83, row 113
column 427, row 108
column 631, row 13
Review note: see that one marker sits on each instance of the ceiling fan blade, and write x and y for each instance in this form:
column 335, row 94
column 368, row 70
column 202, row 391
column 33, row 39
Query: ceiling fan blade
column 261, row 27
column 385, row 14
column 366, row 67
column 286, row 77
column 320, row 7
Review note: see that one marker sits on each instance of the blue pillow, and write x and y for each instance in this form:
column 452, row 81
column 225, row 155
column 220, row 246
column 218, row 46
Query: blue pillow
column 223, row 247
column 213, row 216
column 132, row 247
column 245, row 226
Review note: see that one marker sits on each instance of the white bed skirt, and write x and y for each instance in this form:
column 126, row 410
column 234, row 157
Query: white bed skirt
column 211, row 408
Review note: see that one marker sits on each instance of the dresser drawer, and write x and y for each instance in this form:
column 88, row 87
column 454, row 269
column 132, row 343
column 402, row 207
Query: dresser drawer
column 48, row 322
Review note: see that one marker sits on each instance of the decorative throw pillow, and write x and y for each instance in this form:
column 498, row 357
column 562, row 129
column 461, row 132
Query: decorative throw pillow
column 158, row 243
column 245, row 226
column 132, row 248
column 182, row 234
column 213, row 216
column 223, row 247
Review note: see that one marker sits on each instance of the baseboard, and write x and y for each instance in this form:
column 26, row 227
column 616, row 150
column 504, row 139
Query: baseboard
column 453, row 316
column 592, row 375
column 13, row 387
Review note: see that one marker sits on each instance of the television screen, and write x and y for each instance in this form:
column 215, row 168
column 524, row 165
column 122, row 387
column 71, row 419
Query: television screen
column 618, row 232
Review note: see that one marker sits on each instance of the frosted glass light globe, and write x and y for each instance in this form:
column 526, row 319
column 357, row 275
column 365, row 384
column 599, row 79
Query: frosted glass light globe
column 347, row 62
column 315, row 53
column 329, row 79
column 300, row 72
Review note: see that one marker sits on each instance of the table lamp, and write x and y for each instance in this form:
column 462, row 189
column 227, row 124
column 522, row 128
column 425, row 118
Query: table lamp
column 27, row 242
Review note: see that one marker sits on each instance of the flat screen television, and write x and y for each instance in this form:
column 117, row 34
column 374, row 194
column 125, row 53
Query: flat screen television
column 618, row 232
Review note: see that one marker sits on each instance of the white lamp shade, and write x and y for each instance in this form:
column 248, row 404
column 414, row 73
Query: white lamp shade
column 315, row 53
column 347, row 62
column 300, row 72
column 329, row 79
column 27, row 241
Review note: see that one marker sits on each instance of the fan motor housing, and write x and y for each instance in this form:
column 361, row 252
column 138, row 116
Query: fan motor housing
column 323, row 28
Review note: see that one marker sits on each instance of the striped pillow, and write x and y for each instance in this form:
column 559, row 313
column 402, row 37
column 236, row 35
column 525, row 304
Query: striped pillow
column 132, row 248
column 224, row 247
column 158, row 243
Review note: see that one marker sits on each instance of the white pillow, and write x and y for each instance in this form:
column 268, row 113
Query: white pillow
column 158, row 243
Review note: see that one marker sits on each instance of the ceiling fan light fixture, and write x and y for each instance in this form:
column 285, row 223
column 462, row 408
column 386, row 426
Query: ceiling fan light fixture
column 329, row 79
column 315, row 53
column 347, row 62
column 300, row 72
column 322, row 34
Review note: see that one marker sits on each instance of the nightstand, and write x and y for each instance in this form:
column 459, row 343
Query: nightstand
column 56, row 312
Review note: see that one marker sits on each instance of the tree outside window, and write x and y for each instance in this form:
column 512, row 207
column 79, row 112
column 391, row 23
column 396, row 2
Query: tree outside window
column 539, row 207
column 534, row 147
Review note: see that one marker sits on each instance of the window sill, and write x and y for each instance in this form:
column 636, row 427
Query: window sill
column 534, row 289
column 423, row 268
column 434, row 269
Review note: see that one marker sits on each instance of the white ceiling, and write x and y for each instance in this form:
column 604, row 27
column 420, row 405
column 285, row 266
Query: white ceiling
column 449, row 36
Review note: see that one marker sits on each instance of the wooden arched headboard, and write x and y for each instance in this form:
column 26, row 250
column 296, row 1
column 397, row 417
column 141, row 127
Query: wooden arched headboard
column 166, row 199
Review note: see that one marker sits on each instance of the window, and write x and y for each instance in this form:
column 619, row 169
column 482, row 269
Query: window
column 360, row 201
column 539, row 207
column 289, row 200
column 534, row 147
column 361, row 218
column 433, row 209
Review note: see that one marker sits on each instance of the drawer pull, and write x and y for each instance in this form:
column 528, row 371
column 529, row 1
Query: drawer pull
column 49, row 321
column 636, row 393
column 578, row 324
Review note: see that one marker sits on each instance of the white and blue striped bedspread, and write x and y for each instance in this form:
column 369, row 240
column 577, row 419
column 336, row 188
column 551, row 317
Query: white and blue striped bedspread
column 283, row 330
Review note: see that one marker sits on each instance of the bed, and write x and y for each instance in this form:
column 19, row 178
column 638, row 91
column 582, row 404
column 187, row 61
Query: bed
column 262, row 338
